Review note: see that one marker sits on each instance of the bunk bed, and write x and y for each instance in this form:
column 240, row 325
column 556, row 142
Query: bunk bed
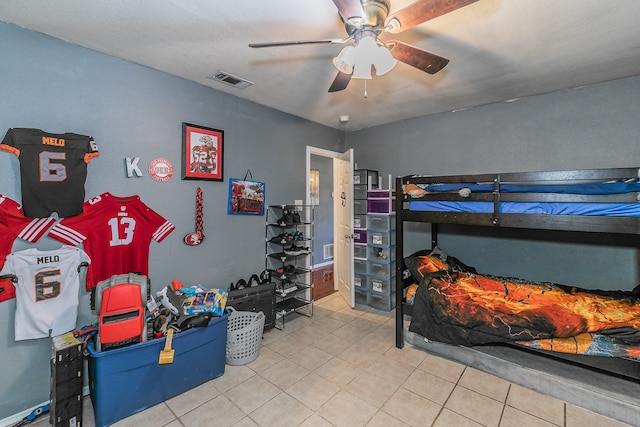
column 603, row 201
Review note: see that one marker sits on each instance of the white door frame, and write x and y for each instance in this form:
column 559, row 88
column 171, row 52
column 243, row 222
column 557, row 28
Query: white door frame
column 324, row 153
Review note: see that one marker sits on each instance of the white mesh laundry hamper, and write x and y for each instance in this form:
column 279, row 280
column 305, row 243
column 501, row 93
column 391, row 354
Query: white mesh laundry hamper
column 244, row 336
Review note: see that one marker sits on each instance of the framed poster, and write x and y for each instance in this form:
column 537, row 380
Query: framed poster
column 202, row 153
column 314, row 187
column 246, row 197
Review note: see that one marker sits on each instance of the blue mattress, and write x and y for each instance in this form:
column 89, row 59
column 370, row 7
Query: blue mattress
column 617, row 187
column 590, row 209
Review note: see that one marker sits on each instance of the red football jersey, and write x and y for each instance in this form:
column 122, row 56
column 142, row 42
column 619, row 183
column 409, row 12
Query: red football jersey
column 116, row 233
column 14, row 224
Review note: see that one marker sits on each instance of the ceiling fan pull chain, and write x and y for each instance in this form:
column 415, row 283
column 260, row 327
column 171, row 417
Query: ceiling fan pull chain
column 365, row 88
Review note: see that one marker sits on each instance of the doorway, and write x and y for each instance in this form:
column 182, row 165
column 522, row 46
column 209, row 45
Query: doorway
column 333, row 244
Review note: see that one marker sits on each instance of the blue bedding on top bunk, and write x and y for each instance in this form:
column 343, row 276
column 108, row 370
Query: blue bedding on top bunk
column 617, row 187
column 592, row 209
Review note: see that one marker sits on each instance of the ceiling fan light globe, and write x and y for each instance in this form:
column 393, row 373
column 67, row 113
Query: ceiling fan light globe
column 345, row 60
column 384, row 61
column 366, row 47
column 362, row 70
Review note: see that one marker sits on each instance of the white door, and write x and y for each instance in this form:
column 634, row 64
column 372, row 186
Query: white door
column 343, row 225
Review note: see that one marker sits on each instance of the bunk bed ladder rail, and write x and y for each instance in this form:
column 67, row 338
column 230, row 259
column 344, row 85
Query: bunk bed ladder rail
column 399, row 263
column 496, row 201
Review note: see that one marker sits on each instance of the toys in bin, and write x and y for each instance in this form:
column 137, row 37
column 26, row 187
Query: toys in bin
column 180, row 308
column 200, row 300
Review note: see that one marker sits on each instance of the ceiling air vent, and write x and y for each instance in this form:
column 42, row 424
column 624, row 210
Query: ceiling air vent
column 230, row 79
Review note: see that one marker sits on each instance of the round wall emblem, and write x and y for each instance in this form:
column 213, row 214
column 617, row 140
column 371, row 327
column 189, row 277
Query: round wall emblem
column 161, row 169
column 194, row 238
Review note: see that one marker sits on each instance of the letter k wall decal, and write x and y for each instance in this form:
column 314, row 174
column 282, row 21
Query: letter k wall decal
column 131, row 164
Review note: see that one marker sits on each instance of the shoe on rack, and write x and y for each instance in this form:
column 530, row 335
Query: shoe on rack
column 295, row 217
column 287, row 287
column 281, row 238
column 287, row 269
column 293, row 250
column 286, row 219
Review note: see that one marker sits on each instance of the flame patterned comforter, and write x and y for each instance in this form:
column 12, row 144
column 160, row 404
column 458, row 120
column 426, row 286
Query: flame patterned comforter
column 456, row 305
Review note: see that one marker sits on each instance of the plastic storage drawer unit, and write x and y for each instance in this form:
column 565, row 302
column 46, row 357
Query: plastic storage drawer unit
column 381, row 222
column 381, row 285
column 380, row 194
column 360, row 281
column 381, row 254
column 381, row 238
column 361, row 236
column 360, row 191
column 359, row 221
column 359, row 266
column 360, row 251
column 365, row 176
column 126, row 380
column 381, row 205
column 360, row 207
column 361, row 296
column 381, row 270
column 381, row 302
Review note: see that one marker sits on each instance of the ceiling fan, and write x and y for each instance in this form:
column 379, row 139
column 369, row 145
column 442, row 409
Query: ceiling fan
column 365, row 21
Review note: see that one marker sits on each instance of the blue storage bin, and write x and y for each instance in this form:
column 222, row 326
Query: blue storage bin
column 126, row 380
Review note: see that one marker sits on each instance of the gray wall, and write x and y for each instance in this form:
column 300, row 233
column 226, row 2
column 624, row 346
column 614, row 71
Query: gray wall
column 588, row 127
column 323, row 213
column 134, row 111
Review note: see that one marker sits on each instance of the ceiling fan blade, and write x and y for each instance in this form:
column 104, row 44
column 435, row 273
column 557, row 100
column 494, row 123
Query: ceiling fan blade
column 418, row 58
column 421, row 11
column 296, row 42
column 340, row 82
column 351, row 11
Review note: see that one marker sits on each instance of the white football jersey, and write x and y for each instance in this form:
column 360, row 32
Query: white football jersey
column 46, row 291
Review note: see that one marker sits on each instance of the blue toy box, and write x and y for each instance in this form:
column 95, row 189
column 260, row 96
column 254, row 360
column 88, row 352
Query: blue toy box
column 127, row 380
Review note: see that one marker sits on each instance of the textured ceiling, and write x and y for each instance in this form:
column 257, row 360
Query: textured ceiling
column 498, row 49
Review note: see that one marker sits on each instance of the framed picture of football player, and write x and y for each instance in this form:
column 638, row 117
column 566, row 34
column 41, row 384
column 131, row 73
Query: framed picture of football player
column 202, row 152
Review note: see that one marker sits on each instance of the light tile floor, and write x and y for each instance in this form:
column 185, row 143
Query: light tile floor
column 341, row 368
